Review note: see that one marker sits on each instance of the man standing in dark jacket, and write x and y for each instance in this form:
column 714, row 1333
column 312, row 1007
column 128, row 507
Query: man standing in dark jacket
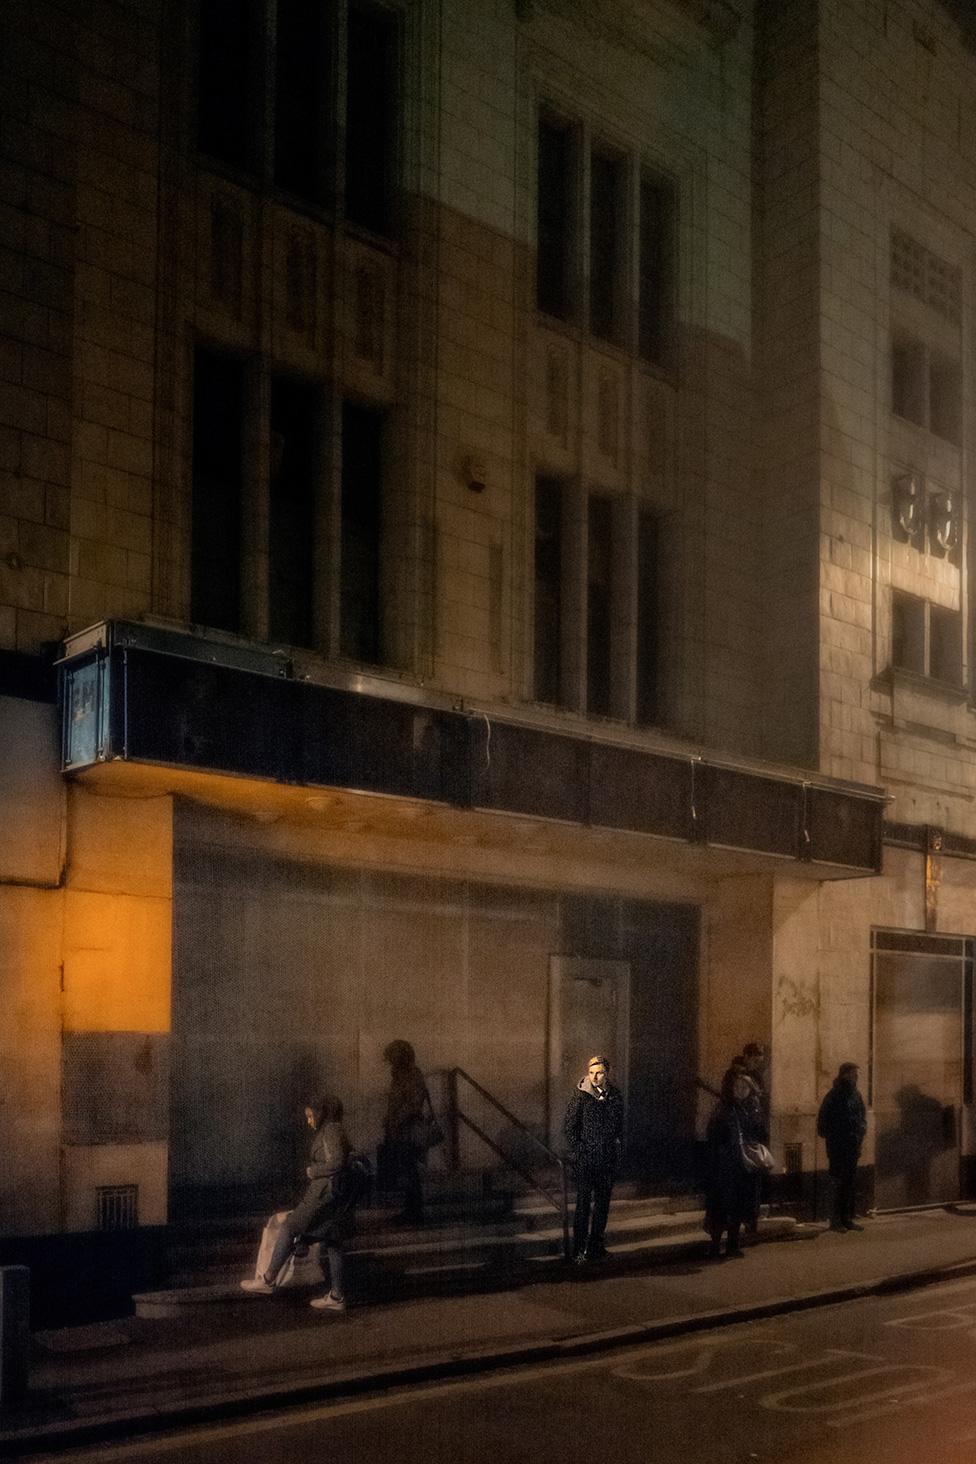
column 842, row 1123
column 594, row 1129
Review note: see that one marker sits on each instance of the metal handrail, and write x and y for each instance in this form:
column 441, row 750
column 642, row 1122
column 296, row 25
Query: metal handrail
column 560, row 1204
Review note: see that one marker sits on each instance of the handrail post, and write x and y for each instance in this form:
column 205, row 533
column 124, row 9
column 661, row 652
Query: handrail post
column 454, row 1137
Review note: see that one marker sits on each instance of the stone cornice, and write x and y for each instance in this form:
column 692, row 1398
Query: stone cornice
column 631, row 23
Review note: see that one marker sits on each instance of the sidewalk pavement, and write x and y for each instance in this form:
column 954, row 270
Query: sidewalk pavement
column 133, row 1376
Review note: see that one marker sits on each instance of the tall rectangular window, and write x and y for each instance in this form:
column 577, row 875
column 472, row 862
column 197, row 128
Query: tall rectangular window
column 945, row 398
column 599, row 607
column 656, row 270
column 291, row 512
column 607, row 224
column 648, row 614
column 909, row 380
column 945, row 645
column 555, row 221
column 548, row 589
column 371, row 110
column 303, row 70
column 218, row 422
column 907, row 632
column 361, row 596
column 225, row 82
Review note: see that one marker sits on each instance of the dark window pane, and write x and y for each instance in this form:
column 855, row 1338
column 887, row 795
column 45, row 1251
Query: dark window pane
column 548, row 589
column 648, row 612
column 225, row 80
column 606, row 224
column 291, row 512
column 907, row 632
column 555, row 219
column 908, row 380
column 599, row 600
column 361, row 607
column 945, row 645
column 656, row 287
column 218, row 414
column 945, row 398
column 371, row 109
column 302, row 89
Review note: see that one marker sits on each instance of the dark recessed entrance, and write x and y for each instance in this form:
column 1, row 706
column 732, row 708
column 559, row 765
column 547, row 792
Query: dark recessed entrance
column 922, row 1066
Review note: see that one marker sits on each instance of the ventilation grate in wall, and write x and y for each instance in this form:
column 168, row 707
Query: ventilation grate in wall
column 118, row 1206
column 925, row 276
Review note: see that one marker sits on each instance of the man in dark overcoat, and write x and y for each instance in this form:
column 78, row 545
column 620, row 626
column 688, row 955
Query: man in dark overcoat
column 842, row 1124
column 594, row 1132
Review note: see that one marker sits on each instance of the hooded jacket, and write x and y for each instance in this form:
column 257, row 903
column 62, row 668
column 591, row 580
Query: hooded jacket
column 594, row 1126
column 842, row 1119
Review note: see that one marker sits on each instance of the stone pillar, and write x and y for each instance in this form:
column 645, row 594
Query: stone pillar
column 116, row 1008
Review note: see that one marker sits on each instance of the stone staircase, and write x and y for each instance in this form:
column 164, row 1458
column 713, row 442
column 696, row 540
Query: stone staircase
column 479, row 1235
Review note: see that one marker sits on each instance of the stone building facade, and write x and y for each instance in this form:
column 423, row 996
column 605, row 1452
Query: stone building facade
column 497, row 477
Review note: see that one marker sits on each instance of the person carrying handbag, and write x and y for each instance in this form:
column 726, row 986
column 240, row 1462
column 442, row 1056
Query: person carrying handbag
column 317, row 1214
column 737, row 1158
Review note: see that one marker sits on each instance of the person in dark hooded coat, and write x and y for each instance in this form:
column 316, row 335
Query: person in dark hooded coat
column 842, row 1124
column 402, row 1127
column 732, row 1197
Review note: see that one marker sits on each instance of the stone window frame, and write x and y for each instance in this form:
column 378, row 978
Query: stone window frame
column 258, row 171
column 928, row 299
column 638, row 175
column 630, row 513
column 920, row 619
column 256, row 454
column 925, row 339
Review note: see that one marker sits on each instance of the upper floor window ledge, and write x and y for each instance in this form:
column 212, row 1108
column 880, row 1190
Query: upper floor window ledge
column 934, row 686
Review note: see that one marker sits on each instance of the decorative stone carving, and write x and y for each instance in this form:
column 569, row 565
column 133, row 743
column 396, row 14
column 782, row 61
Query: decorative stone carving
column 944, row 521
column 906, row 503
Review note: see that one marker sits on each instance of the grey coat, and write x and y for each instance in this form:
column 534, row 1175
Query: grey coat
column 327, row 1160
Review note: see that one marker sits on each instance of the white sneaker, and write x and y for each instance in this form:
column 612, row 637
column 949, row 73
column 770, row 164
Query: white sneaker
column 329, row 1303
column 257, row 1286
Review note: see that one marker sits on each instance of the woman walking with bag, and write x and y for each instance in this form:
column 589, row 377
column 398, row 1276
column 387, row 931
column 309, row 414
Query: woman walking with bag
column 737, row 1159
column 317, row 1213
column 409, row 1126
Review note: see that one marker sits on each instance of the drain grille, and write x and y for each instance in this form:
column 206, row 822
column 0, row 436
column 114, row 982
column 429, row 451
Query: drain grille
column 118, row 1206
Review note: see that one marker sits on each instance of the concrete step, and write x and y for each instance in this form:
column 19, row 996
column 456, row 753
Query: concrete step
column 414, row 1262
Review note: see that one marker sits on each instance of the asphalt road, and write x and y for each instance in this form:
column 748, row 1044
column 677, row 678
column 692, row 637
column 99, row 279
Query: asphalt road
column 885, row 1379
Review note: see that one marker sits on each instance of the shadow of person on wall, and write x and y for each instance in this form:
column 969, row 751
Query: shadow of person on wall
column 910, row 1148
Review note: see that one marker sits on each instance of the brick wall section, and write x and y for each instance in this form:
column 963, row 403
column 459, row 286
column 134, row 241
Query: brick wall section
column 787, row 271
column 897, row 148
column 115, row 118
column 78, row 158
column 38, row 78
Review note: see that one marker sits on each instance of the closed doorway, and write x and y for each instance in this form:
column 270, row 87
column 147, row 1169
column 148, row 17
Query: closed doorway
column 589, row 1015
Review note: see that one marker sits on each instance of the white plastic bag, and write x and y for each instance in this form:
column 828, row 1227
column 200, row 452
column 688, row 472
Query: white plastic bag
column 298, row 1270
